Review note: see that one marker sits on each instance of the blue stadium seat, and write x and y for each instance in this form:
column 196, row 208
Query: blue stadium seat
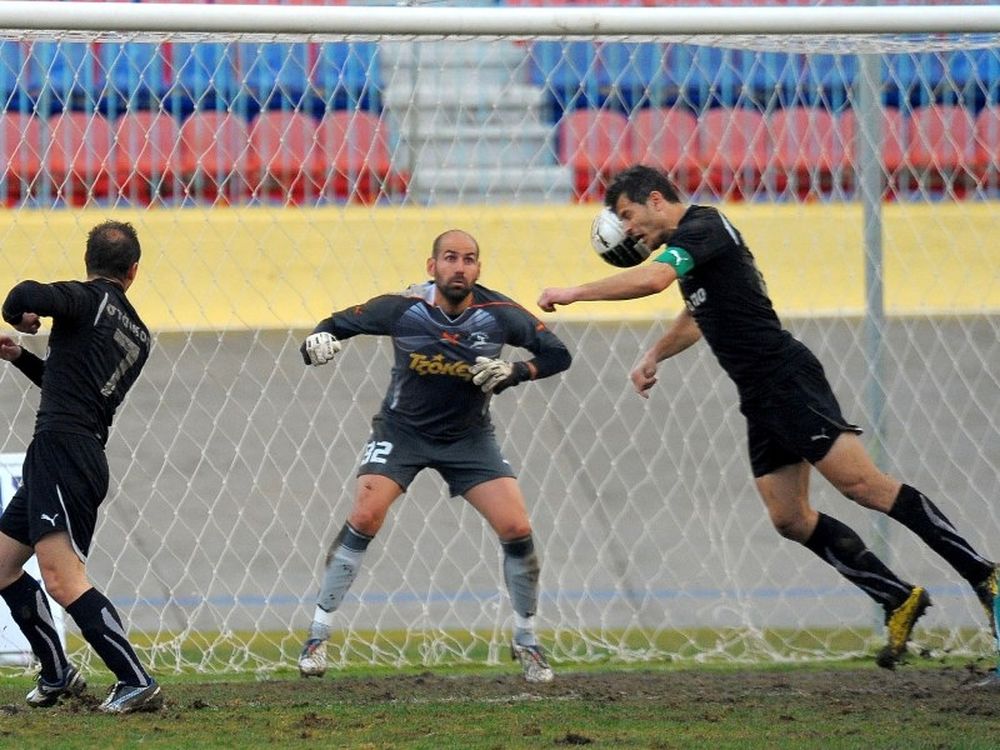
column 569, row 73
column 276, row 73
column 347, row 75
column 134, row 73
column 63, row 75
column 205, row 74
column 638, row 73
column 11, row 64
column 828, row 78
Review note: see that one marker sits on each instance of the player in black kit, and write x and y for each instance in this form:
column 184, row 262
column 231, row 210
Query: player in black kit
column 447, row 336
column 793, row 418
column 97, row 347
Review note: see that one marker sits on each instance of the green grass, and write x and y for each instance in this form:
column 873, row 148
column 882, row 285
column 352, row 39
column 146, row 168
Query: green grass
column 720, row 689
column 930, row 703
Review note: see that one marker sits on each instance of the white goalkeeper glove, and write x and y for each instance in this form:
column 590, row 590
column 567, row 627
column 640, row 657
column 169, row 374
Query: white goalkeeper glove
column 320, row 348
column 495, row 375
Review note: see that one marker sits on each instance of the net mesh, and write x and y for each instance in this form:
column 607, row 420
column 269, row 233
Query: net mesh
column 275, row 179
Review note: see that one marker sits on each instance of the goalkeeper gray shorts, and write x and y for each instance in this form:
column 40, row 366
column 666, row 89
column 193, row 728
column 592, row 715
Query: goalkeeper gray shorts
column 400, row 453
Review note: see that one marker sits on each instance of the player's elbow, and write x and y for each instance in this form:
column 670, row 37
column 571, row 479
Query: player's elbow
column 657, row 277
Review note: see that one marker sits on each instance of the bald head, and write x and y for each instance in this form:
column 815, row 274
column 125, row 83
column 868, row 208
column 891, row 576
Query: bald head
column 453, row 239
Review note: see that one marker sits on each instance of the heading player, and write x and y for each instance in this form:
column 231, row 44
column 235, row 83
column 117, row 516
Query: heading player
column 793, row 417
column 447, row 336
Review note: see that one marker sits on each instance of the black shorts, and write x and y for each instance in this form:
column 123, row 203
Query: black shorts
column 796, row 419
column 64, row 481
column 399, row 452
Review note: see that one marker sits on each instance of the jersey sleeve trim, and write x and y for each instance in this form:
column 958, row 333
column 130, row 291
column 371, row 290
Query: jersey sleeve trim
column 677, row 257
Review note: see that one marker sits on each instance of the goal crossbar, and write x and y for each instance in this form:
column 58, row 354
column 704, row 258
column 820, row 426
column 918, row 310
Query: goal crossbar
column 318, row 21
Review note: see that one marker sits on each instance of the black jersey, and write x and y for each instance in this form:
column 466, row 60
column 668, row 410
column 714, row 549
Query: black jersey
column 728, row 298
column 97, row 347
column 431, row 387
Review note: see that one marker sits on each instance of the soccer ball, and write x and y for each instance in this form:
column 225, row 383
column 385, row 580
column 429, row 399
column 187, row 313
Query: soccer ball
column 614, row 246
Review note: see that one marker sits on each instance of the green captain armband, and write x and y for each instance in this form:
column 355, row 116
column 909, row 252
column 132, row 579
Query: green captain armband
column 677, row 257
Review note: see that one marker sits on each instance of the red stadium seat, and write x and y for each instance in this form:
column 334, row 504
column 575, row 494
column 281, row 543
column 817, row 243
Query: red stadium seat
column 355, row 157
column 596, row 144
column 283, row 145
column 893, row 145
column 734, row 146
column 77, row 157
column 810, row 151
column 668, row 139
column 942, row 147
column 147, row 156
column 987, row 133
column 20, row 155
column 215, row 161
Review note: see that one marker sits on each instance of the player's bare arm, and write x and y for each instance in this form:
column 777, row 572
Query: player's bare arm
column 641, row 281
column 683, row 332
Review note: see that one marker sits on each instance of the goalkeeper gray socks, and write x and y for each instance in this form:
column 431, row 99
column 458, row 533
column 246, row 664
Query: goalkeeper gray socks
column 343, row 562
column 520, row 572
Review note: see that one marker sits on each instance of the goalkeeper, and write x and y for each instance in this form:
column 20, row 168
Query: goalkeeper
column 793, row 418
column 447, row 336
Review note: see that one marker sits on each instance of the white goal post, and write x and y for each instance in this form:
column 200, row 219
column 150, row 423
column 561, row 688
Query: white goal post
column 283, row 161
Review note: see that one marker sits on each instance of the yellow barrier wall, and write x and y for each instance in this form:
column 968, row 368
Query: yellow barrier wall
column 271, row 267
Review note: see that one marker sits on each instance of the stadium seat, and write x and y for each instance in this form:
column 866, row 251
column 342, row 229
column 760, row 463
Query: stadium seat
column 205, row 74
column 893, row 134
column 987, row 133
column 568, row 73
column 276, row 74
column 734, row 147
column 11, row 66
column 595, row 143
column 20, row 155
column 215, row 157
column 134, row 72
column 667, row 138
column 63, row 74
column 810, row 153
column 347, row 75
column 147, row 156
column 941, row 149
column 355, row 157
column 77, row 157
column 284, row 150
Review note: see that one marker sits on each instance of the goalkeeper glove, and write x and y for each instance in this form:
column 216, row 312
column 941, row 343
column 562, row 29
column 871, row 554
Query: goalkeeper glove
column 319, row 348
column 495, row 375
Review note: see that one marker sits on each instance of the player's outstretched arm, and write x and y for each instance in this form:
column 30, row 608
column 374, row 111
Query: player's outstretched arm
column 641, row 281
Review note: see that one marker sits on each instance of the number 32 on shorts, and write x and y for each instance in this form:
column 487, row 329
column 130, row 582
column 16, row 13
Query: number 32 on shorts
column 376, row 452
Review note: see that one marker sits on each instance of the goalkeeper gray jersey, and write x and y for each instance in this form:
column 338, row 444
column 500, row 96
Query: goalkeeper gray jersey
column 431, row 386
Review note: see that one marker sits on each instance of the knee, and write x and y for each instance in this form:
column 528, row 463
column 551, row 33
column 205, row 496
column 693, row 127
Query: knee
column 791, row 526
column 366, row 520
column 514, row 530
column 62, row 586
column 874, row 491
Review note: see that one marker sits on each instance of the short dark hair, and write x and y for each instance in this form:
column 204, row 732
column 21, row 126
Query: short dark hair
column 637, row 182
column 112, row 249
column 436, row 247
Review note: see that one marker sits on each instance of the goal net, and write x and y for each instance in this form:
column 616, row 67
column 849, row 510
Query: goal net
column 276, row 173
